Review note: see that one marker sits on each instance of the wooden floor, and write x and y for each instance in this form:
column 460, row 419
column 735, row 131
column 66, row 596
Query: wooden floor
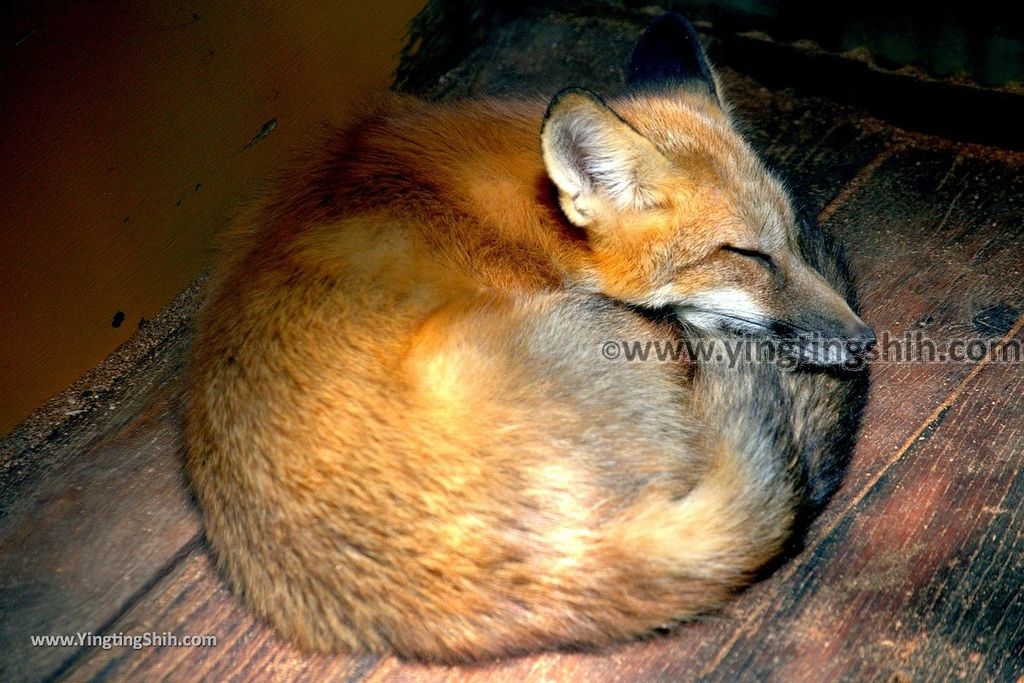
column 914, row 572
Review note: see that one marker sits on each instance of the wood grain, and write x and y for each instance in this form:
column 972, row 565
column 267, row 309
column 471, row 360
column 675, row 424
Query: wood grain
column 193, row 600
column 935, row 238
column 921, row 579
column 81, row 541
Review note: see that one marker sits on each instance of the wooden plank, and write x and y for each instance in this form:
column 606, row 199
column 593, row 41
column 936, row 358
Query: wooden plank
column 192, row 601
column 936, row 240
column 921, row 581
column 82, row 540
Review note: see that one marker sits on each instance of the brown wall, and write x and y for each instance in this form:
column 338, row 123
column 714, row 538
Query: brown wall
column 125, row 133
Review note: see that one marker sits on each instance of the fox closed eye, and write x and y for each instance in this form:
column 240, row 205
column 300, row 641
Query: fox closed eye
column 759, row 256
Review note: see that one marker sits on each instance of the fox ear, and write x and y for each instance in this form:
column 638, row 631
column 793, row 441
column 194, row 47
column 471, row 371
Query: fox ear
column 597, row 161
column 669, row 55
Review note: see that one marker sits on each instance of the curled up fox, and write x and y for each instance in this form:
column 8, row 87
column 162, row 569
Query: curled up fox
column 402, row 431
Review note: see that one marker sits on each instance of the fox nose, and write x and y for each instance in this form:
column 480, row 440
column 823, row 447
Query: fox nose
column 862, row 339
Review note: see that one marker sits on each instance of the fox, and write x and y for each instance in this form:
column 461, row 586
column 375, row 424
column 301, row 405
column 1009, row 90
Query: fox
column 401, row 431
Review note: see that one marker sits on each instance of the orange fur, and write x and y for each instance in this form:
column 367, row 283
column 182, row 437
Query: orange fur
column 401, row 431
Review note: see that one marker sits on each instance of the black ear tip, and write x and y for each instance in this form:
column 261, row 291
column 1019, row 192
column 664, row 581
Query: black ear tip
column 671, row 23
column 669, row 33
column 669, row 50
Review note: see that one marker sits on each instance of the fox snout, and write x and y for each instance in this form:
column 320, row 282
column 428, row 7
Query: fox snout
column 863, row 339
column 824, row 327
column 826, row 342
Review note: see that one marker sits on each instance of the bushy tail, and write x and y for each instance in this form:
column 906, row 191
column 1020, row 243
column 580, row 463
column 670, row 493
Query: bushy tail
column 740, row 515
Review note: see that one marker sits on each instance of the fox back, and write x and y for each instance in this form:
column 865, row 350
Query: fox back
column 403, row 431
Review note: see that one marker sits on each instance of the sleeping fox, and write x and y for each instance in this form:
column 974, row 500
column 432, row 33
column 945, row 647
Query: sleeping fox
column 401, row 430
